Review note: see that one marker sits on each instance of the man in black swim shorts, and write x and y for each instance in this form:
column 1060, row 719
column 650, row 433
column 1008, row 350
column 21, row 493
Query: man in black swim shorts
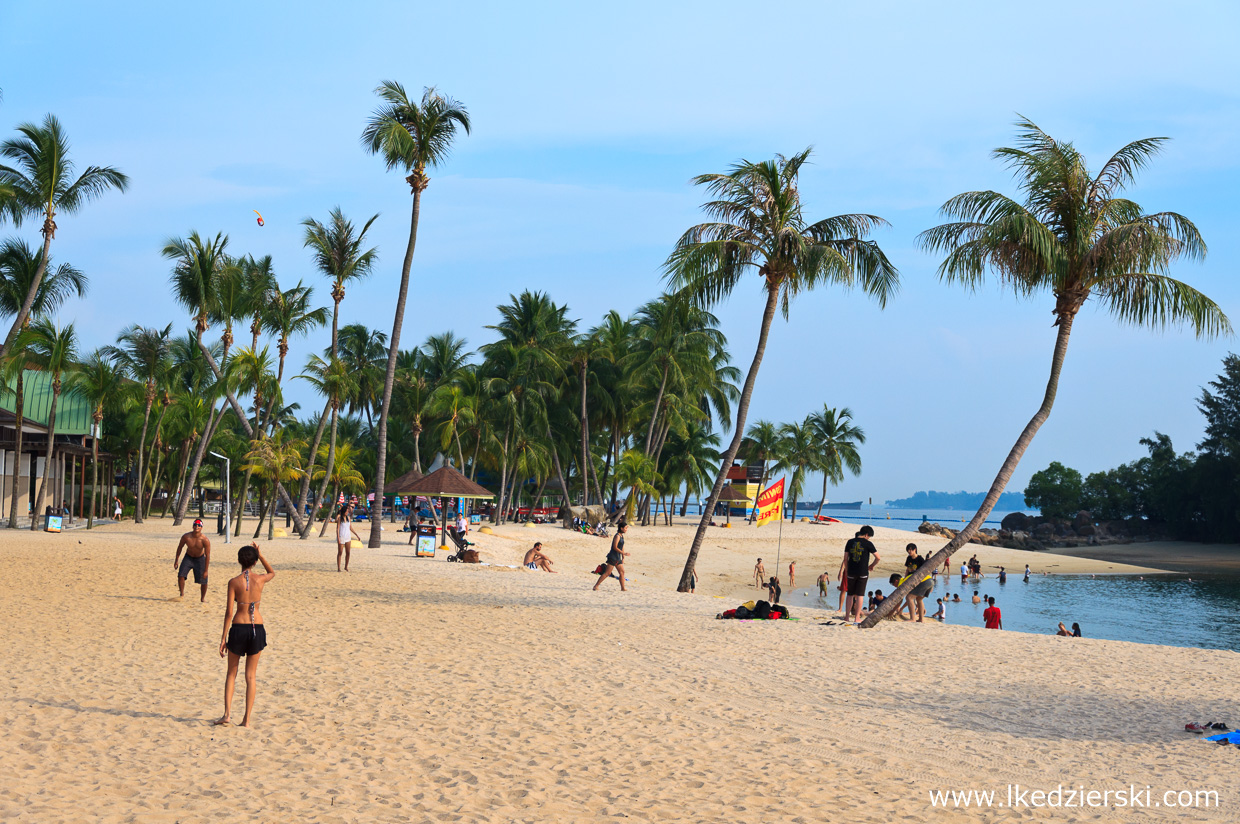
column 197, row 548
column 857, row 566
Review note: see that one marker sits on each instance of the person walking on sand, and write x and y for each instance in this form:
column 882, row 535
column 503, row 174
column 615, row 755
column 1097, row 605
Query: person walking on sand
column 759, row 574
column 197, row 557
column 992, row 616
column 858, row 566
column 792, row 575
column 344, row 535
column 244, row 633
column 615, row 558
column 118, row 511
column 822, row 584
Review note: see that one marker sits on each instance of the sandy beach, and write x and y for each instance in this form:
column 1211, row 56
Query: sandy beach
column 418, row 690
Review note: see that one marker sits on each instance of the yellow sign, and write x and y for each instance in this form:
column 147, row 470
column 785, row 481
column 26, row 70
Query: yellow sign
column 771, row 503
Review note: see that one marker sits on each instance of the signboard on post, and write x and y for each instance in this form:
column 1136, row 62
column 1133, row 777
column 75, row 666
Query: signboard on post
column 425, row 545
column 53, row 523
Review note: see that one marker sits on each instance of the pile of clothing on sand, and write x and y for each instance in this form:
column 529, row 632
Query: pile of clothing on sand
column 760, row 611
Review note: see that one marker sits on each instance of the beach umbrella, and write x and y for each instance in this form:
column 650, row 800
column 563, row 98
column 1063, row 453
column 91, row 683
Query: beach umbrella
column 446, row 482
column 729, row 496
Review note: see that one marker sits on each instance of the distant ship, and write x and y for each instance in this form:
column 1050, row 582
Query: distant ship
column 806, row 506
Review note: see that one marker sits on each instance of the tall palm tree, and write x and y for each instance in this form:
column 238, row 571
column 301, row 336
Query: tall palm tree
column 334, row 381
column 692, row 460
column 636, row 470
column 1075, row 237
column 55, row 350
column 41, row 183
column 343, row 475
column 277, row 461
column 96, row 380
column 759, row 226
column 144, row 355
column 411, row 136
column 797, row 455
column 362, row 351
column 836, row 438
column 340, row 255
column 19, row 269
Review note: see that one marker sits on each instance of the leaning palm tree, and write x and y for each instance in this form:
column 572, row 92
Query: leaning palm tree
column 411, row 136
column 759, row 227
column 55, row 350
column 144, row 355
column 41, row 183
column 1075, row 237
column 836, row 438
column 97, row 380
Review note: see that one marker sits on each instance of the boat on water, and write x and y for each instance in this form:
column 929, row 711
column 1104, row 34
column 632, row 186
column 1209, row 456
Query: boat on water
column 806, row 506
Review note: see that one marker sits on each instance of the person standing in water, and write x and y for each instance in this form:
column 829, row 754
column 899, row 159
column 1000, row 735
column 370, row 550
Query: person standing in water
column 197, row 557
column 344, row 535
column 615, row 558
column 244, row 633
column 792, row 575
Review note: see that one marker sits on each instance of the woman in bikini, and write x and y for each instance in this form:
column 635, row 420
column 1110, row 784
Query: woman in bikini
column 615, row 558
column 244, row 634
column 344, row 534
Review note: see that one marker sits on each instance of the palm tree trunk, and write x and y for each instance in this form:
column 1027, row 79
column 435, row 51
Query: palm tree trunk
column 47, row 461
column 159, row 422
column 137, row 502
column 181, row 473
column 262, row 513
column 559, row 471
column 996, row 488
column 654, row 413
column 327, row 473
column 304, row 495
column 742, row 409
column 376, row 525
column 94, row 475
column 585, row 439
column 328, row 510
column 159, row 462
column 245, row 491
column 23, row 313
column 18, row 408
column 503, row 475
column 823, row 499
column 685, row 506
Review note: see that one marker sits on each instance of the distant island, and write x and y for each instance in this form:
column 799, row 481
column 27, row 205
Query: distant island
column 957, row 500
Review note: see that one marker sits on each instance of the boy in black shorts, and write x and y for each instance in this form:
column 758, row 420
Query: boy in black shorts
column 856, row 567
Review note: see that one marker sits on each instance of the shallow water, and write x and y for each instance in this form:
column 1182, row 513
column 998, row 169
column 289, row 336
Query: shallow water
column 1158, row 609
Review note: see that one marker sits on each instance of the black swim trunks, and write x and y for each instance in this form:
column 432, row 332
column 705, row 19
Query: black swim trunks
column 198, row 565
column 856, row 586
column 247, row 639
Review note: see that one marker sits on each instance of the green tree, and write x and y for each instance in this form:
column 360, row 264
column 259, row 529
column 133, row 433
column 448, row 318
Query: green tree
column 1111, row 495
column 144, row 356
column 335, row 382
column 837, row 439
column 96, row 380
column 411, row 136
column 277, row 461
column 759, row 227
column 797, row 454
column 55, row 351
column 41, row 183
column 1055, row 491
column 1075, row 237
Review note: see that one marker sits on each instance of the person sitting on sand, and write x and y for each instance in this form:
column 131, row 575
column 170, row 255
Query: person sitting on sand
column 344, row 535
column 773, row 591
column 759, row 574
column 197, row 557
column 244, row 634
column 1063, row 631
column 615, row 558
column 976, row 599
column 942, row 613
column 535, row 558
column 1076, row 630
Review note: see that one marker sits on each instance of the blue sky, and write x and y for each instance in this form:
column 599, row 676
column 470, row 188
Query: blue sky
column 588, row 124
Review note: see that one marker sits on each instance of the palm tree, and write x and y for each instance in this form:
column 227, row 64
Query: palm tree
column 335, row 382
column 411, row 136
column 361, row 349
column 343, row 475
column 144, row 355
column 41, row 183
column 761, row 444
column 797, row 455
column 692, row 460
column 278, row 462
column 759, row 226
column 96, row 380
column 19, row 269
column 636, row 470
column 55, row 350
column 836, row 439
column 1075, row 237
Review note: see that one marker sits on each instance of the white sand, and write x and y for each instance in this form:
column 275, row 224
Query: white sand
column 417, row 690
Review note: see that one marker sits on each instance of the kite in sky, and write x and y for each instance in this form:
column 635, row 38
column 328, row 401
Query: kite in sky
column 260, row 217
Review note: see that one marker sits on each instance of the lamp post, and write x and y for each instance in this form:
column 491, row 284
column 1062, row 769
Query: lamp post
column 227, row 496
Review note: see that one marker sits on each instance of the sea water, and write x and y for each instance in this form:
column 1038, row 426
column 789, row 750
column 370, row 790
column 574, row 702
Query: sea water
column 1176, row 609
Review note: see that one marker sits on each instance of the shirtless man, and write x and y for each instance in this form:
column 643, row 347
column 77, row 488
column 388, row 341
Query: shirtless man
column 536, row 559
column 759, row 574
column 792, row 575
column 197, row 557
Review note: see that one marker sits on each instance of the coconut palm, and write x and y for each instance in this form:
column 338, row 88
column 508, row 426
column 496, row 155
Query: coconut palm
column 277, row 461
column 1075, row 237
column 343, row 475
column 837, row 439
column 96, row 379
column 636, row 470
column 362, row 351
column 759, row 226
column 19, row 269
column 797, row 455
column 692, row 460
column 144, row 356
column 335, row 382
column 411, row 136
column 41, row 183
column 761, row 444
column 55, row 351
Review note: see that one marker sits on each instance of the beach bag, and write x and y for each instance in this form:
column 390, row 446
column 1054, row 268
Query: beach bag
column 762, row 611
column 598, row 570
column 470, row 556
column 779, row 611
column 742, row 612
